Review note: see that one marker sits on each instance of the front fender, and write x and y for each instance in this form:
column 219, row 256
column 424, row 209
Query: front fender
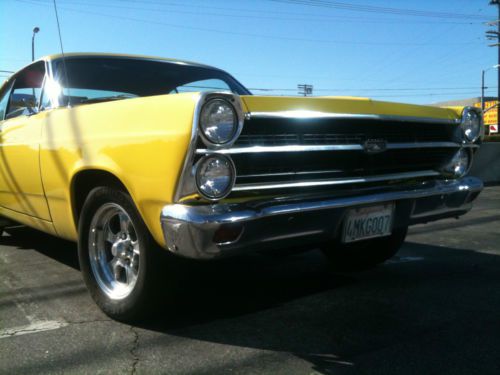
column 140, row 141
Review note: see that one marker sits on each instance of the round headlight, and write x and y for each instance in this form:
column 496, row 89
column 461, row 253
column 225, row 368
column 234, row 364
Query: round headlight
column 215, row 175
column 218, row 122
column 459, row 164
column 471, row 125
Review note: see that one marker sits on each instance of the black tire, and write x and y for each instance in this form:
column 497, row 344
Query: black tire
column 139, row 302
column 363, row 255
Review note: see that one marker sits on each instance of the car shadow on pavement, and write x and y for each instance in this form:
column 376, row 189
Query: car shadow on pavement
column 431, row 310
column 433, row 315
column 24, row 238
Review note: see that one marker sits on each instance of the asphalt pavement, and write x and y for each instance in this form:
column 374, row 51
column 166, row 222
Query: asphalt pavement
column 433, row 309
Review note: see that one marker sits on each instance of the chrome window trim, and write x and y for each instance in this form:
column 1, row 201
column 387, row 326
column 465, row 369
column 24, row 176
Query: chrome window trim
column 308, row 148
column 9, row 84
column 51, row 77
column 11, row 80
column 46, row 77
column 299, row 114
column 337, row 181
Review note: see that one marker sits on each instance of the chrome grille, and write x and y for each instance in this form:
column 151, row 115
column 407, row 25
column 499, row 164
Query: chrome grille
column 293, row 131
column 275, row 153
column 307, row 166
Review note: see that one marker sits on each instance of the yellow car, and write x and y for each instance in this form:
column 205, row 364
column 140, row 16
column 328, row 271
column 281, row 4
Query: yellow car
column 136, row 157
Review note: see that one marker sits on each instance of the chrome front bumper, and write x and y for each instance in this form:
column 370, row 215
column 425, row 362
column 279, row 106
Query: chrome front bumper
column 197, row 231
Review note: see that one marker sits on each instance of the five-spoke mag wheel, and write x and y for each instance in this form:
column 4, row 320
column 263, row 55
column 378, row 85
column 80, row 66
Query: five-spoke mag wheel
column 114, row 251
column 121, row 263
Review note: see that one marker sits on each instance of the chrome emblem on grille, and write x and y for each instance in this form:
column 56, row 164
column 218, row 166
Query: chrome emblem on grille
column 374, row 146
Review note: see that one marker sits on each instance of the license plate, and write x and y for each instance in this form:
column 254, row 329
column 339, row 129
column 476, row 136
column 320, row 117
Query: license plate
column 368, row 222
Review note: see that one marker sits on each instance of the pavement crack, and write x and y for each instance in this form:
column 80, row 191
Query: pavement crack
column 133, row 350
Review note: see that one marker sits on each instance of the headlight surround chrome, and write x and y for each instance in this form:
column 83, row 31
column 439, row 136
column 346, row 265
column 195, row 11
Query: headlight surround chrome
column 215, row 176
column 219, row 123
column 471, row 125
column 459, row 164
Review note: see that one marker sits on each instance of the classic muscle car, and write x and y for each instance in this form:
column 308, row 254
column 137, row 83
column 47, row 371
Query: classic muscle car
column 136, row 157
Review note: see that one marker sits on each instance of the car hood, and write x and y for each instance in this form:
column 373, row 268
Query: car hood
column 303, row 107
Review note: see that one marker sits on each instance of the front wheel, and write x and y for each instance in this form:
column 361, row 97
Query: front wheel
column 363, row 254
column 118, row 256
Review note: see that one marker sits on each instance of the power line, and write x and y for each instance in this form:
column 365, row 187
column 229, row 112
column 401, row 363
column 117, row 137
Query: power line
column 461, row 94
column 281, row 12
column 473, row 93
column 383, row 10
column 276, row 37
column 393, row 59
column 376, row 89
column 243, row 13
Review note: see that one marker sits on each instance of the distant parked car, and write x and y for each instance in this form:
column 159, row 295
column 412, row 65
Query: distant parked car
column 134, row 156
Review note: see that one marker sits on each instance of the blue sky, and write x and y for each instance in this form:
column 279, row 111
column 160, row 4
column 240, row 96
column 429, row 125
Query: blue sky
column 276, row 44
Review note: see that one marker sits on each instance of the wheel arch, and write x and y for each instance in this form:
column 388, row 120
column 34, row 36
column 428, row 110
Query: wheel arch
column 84, row 181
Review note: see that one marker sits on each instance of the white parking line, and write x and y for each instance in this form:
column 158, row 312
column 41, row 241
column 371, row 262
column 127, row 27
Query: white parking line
column 33, row 327
column 27, row 307
column 397, row 260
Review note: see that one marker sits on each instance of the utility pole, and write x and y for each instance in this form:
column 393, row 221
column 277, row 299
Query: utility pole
column 306, row 89
column 482, row 90
column 483, row 87
column 495, row 35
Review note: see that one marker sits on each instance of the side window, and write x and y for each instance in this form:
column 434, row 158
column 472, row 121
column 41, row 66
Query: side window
column 25, row 95
column 4, row 98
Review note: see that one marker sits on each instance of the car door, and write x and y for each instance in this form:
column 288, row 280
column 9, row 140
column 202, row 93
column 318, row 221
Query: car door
column 21, row 188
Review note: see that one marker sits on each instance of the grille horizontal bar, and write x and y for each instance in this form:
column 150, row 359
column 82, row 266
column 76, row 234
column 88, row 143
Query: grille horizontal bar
column 339, row 181
column 246, row 140
column 306, row 114
column 332, row 147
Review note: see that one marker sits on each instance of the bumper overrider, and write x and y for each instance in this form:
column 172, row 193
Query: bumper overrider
column 220, row 229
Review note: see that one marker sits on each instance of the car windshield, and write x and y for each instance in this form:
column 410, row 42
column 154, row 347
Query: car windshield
column 102, row 79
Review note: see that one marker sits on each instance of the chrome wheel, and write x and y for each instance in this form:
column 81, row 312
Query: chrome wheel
column 114, row 251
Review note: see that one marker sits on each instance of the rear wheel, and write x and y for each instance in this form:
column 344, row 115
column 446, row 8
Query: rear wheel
column 118, row 257
column 363, row 254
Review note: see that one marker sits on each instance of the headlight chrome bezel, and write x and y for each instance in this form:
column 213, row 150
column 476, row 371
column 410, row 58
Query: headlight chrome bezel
column 187, row 189
column 480, row 130
column 235, row 105
column 449, row 169
column 201, row 163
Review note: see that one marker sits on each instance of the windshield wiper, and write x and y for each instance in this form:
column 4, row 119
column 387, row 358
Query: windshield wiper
column 107, row 98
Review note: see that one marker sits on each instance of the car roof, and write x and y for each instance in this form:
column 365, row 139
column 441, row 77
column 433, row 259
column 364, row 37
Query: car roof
column 83, row 55
column 123, row 56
